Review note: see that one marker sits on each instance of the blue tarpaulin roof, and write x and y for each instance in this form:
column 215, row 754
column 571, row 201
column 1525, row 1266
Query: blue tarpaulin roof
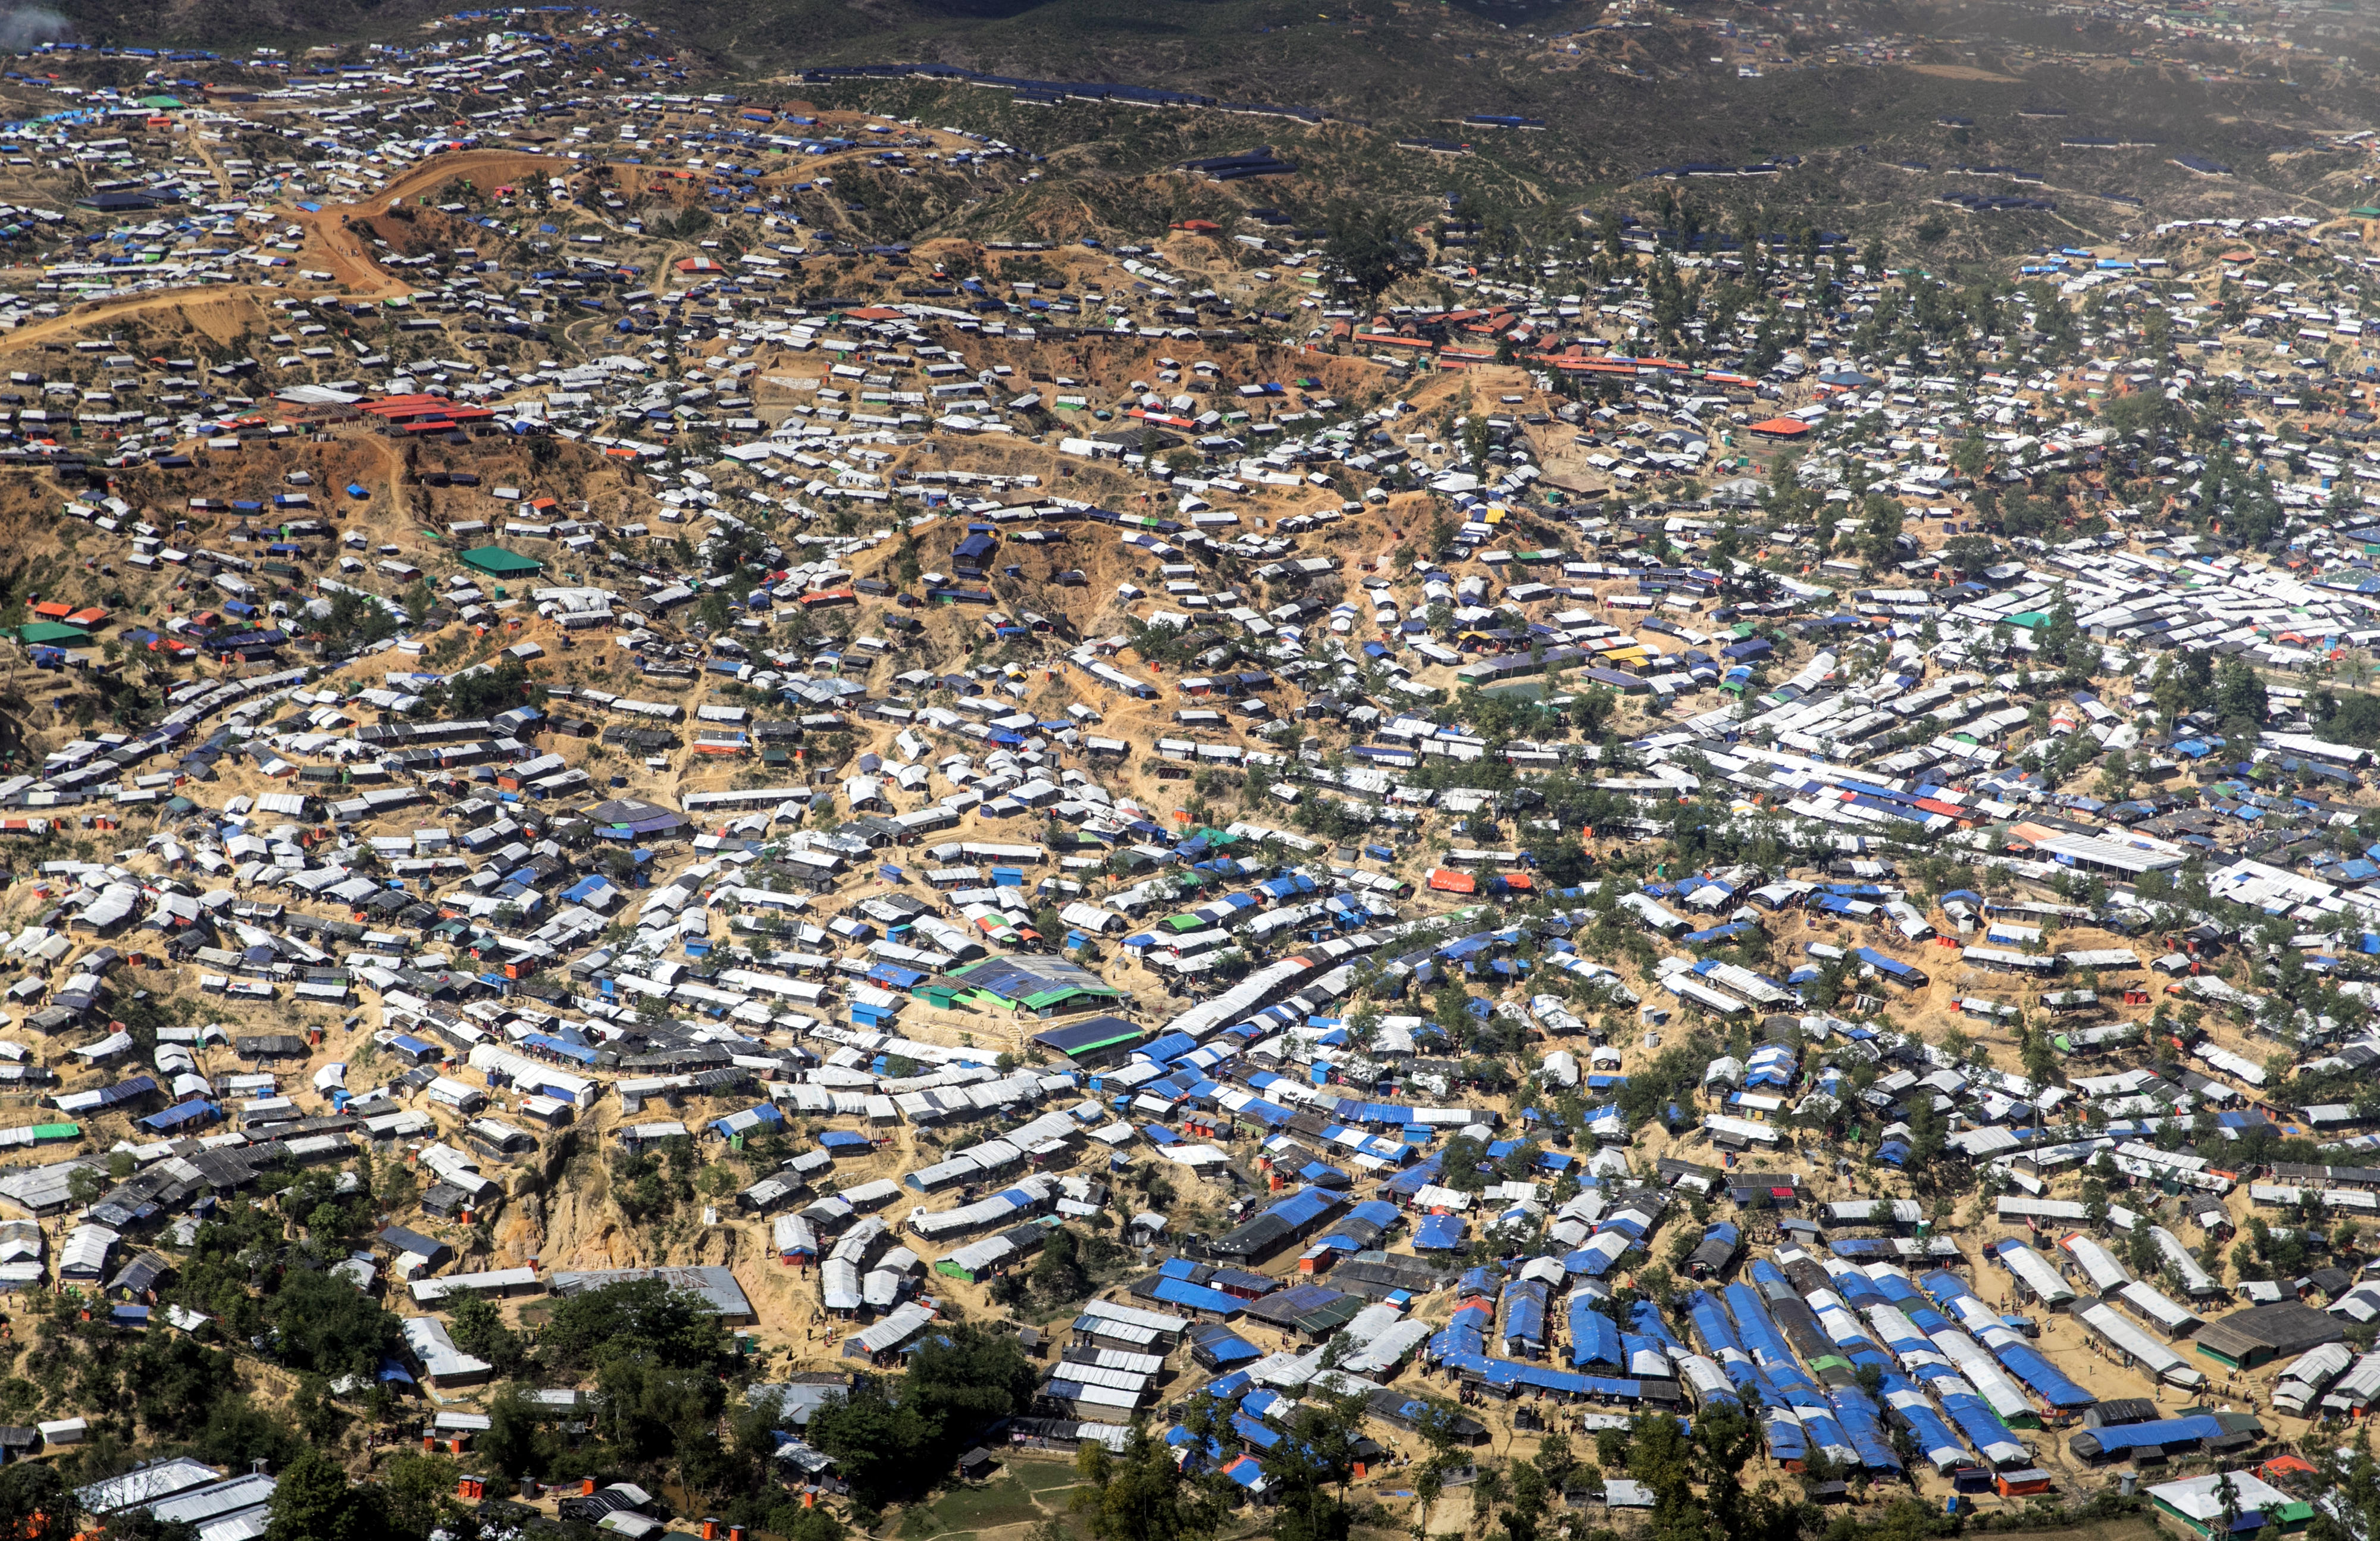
column 196, row 1110
column 1439, row 1234
column 1197, row 1297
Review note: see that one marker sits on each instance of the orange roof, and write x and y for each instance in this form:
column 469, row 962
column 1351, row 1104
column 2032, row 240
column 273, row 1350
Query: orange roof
column 1453, row 883
column 415, row 406
column 1780, row 428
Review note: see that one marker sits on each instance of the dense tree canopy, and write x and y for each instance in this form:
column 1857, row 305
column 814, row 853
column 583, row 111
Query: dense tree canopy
column 897, row 1437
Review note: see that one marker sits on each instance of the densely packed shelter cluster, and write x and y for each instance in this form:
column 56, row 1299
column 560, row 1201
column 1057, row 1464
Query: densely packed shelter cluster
column 1226, row 849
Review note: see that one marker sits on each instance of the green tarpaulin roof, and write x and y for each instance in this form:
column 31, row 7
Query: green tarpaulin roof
column 500, row 562
column 56, row 634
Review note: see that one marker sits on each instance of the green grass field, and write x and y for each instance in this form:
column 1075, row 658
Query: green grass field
column 1002, row 1501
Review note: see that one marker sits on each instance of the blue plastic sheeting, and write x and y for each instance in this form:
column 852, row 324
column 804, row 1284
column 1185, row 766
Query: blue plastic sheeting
column 1593, row 1337
column 2150, row 1435
column 1599, row 1255
column 1709, row 1320
column 1790, row 1383
column 1891, row 968
column 1163, row 1050
column 1219, row 1346
column 1645, row 1356
column 582, row 1053
column 1272, row 1115
column 2039, row 1375
column 2018, row 1357
column 125, row 1091
column 1863, row 1422
column 1462, row 1344
column 1626, row 1223
column 1903, row 1345
column 1254, row 1432
column 1524, row 1316
column 1644, row 1319
column 1819, row 1423
column 754, row 1117
column 1709, row 1324
column 1361, row 1227
column 196, row 1110
column 1197, row 1297
column 1788, row 1440
column 1936, row 1442
column 1762, row 1340
column 1982, row 1427
column 1439, row 1234
column 1304, row 1208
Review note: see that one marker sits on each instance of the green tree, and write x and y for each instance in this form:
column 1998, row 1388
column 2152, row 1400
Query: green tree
column 879, row 1444
column 2240, row 699
column 1310, row 1471
column 314, row 1501
column 1881, row 525
column 477, row 1325
column 175, row 1382
column 324, row 1323
column 639, row 1317
column 417, row 1489
column 1367, row 250
column 35, row 1501
column 895, row 1439
column 967, row 1376
column 650, row 1410
column 515, row 1441
column 1142, row 1494
column 239, row 1432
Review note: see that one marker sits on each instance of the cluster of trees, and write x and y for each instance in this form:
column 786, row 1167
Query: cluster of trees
column 671, row 1407
column 1144, row 1494
column 2192, row 681
column 352, row 621
column 2345, row 717
column 1066, row 1269
column 500, row 686
column 896, row 1439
